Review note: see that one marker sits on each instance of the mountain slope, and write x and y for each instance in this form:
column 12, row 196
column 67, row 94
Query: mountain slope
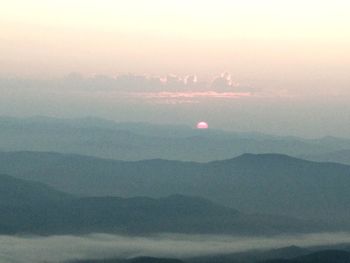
column 267, row 184
column 28, row 207
column 15, row 191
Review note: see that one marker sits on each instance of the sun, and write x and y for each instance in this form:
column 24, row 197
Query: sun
column 202, row 125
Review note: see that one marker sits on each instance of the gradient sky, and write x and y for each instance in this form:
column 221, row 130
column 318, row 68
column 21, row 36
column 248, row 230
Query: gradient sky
column 288, row 61
column 250, row 37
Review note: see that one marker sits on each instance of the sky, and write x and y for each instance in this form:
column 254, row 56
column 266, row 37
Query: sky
column 273, row 66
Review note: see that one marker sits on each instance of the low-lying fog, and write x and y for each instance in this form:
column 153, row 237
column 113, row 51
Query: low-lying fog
column 36, row 249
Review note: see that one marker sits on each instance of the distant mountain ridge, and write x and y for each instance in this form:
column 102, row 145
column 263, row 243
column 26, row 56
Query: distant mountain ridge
column 267, row 184
column 36, row 209
column 15, row 191
column 139, row 141
column 341, row 156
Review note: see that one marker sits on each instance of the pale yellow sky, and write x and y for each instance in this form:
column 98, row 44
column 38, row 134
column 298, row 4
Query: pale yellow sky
column 250, row 38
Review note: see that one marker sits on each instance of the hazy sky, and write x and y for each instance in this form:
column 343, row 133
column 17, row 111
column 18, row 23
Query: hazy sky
column 288, row 61
column 251, row 38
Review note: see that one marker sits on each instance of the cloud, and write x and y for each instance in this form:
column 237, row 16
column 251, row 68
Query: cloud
column 223, row 82
column 16, row 249
column 123, row 83
column 170, row 89
column 191, row 96
column 191, row 80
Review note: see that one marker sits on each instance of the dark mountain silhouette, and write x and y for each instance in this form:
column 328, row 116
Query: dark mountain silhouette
column 325, row 256
column 153, row 260
column 29, row 207
column 133, row 260
column 267, row 183
column 15, row 191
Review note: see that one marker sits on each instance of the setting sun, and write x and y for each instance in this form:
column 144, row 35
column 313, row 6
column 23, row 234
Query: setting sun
column 202, row 125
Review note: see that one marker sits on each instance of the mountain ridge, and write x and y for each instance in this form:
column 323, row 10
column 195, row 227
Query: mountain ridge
column 123, row 141
column 29, row 214
column 269, row 184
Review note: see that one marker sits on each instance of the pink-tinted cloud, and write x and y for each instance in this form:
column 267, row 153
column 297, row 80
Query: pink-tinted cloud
column 174, row 101
column 224, row 82
column 192, row 95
